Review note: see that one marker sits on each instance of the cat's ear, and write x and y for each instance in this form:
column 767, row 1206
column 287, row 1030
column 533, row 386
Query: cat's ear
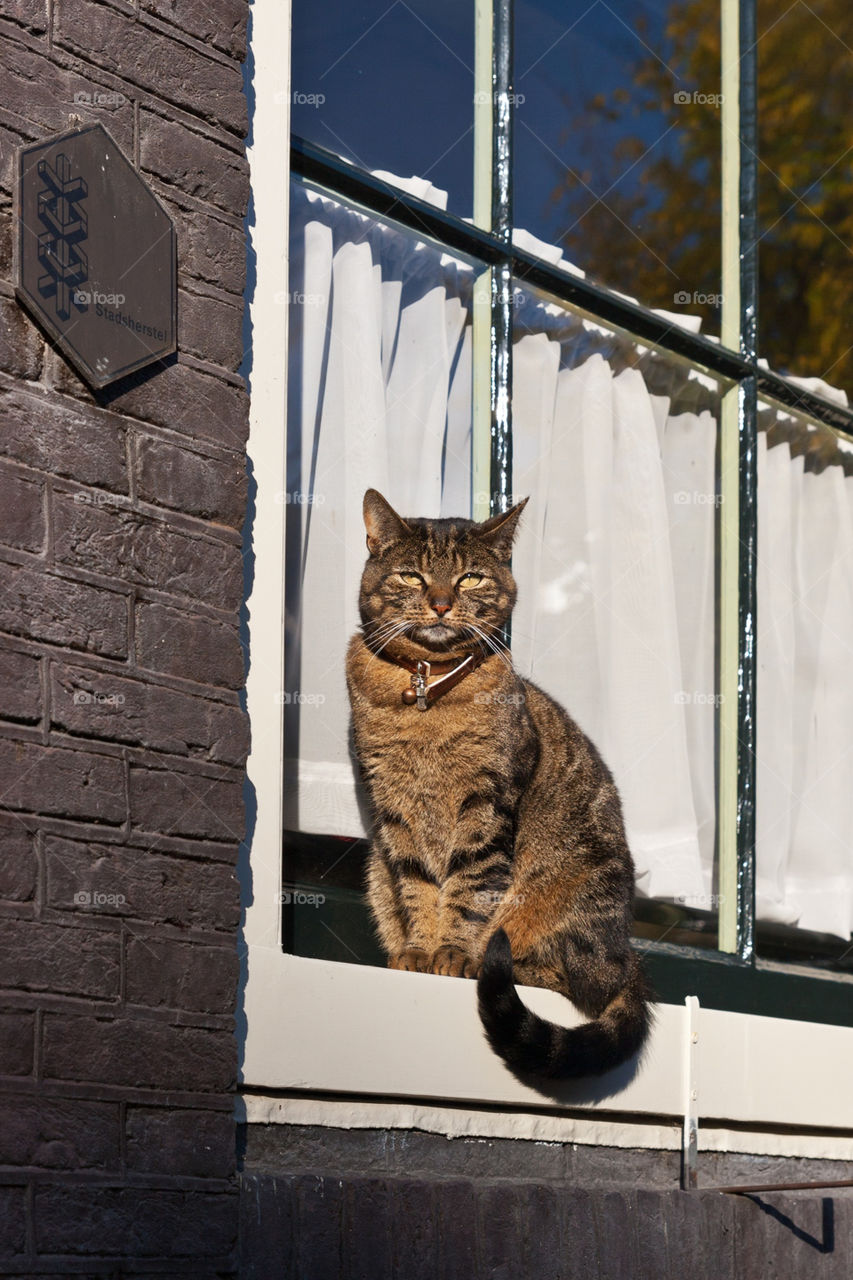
column 382, row 523
column 499, row 531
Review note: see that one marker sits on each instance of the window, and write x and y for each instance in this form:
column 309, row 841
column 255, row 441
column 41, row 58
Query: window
column 453, row 356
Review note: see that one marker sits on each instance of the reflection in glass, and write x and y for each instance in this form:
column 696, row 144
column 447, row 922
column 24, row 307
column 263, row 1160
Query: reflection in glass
column 805, row 690
column 617, row 134
column 389, row 87
column 805, row 188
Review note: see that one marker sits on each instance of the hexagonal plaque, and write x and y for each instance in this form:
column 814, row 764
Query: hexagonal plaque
column 95, row 255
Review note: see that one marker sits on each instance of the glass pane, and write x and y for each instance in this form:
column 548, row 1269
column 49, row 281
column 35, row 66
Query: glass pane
column 617, row 133
column 804, row 837
column 379, row 396
column 391, row 88
column 805, row 188
column 616, row 567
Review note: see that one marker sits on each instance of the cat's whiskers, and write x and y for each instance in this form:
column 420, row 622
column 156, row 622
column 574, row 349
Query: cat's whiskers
column 381, row 630
column 490, row 643
column 397, row 630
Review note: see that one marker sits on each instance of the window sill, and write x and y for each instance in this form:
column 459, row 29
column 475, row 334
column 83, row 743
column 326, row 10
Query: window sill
column 335, row 1028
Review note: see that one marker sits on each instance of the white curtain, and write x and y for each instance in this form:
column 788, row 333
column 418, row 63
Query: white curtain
column 805, row 692
column 379, row 398
column 615, row 560
column 600, row 622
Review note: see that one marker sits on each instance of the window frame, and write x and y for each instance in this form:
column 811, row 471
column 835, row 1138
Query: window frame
column 285, row 1043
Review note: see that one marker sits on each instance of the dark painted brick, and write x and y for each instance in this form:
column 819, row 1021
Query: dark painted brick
column 551, row 1232
column 83, row 701
column 43, row 607
column 60, row 1133
column 22, row 517
column 180, row 644
column 499, row 1231
column 165, row 1140
column 683, row 1220
column 135, row 1223
column 138, row 1054
column 187, row 805
column 18, row 864
column 211, row 329
column 120, row 543
column 6, row 268
column 212, row 249
column 20, row 686
column 53, row 780
column 317, row 1227
column 267, row 1229
column 63, row 438
column 652, row 1239
column 615, row 1238
column 13, row 1221
column 792, row 1235
column 196, row 164
column 168, row 68
column 579, row 1232
column 47, row 93
column 35, row 956
column 21, row 344
column 10, row 140
column 30, row 13
column 544, row 1248
column 367, row 1245
column 208, row 487
column 181, row 975
column 191, row 402
column 223, row 26
column 17, row 1039
column 457, row 1234
column 148, row 886
column 414, row 1231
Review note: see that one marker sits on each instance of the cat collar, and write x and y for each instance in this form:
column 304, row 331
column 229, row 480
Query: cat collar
column 421, row 692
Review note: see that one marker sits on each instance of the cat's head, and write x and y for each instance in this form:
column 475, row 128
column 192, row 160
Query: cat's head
column 439, row 587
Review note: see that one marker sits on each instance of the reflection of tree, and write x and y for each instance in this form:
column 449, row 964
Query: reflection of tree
column 657, row 232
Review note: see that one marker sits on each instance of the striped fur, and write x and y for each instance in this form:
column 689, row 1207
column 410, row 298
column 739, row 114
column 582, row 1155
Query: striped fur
column 499, row 850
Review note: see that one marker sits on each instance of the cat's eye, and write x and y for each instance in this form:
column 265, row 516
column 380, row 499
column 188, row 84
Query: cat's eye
column 412, row 579
column 469, row 580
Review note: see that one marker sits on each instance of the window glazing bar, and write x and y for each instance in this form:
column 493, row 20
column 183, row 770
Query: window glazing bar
column 729, row 525
column 482, row 327
column 502, row 286
column 738, row 486
column 327, row 171
column 748, row 498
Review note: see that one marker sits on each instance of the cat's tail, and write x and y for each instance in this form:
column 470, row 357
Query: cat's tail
column 530, row 1045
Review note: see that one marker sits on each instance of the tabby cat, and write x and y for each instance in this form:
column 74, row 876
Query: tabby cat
column 499, row 851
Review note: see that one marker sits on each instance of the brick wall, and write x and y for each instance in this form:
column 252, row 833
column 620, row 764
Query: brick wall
column 122, row 740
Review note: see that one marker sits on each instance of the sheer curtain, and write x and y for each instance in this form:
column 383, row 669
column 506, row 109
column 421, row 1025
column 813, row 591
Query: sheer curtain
column 616, row 446
column 805, row 691
column 379, row 396
column 602, row 621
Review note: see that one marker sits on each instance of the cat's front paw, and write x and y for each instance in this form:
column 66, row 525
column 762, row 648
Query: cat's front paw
column 412, row 959
column 453, row 962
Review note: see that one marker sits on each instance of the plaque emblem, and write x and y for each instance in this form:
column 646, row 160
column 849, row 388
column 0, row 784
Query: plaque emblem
column 60, row 211
column 95, row 255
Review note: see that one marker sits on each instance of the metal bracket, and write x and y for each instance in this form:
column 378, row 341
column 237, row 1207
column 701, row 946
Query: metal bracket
column 690, row 1131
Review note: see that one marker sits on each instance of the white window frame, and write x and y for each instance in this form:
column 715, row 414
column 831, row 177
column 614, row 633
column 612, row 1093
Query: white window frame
column 316, row 1026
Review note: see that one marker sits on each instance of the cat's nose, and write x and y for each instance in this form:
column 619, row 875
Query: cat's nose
column 441, row 604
